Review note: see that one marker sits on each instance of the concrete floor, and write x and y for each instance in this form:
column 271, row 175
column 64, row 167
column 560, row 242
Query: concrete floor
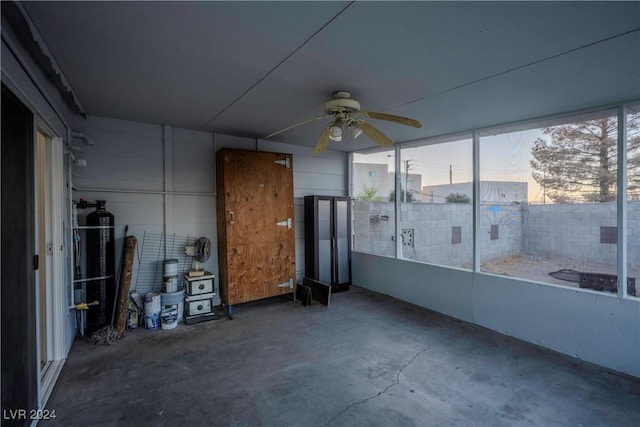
column 367, row 360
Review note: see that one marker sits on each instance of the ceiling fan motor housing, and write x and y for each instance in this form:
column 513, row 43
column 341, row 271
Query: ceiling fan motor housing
column 344, row 112
column 341, row 103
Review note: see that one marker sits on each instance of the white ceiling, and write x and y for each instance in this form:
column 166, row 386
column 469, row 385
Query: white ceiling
column 250, row 68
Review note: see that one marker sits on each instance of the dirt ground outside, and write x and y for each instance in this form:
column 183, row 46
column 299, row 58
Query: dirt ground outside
column 532, row 267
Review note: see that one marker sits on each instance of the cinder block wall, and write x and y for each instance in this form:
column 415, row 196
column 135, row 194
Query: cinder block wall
column 573, row 231
column 568, row 230
column 431, row 225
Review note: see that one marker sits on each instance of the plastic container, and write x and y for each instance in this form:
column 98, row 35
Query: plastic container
column 152, row 303
column 152, row 321
column 171, row 284
column 170, row 267
column 172, row 298
column 169, row 318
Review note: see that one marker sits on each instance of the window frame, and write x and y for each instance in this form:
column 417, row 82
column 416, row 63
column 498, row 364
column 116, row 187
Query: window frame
column 622, row 177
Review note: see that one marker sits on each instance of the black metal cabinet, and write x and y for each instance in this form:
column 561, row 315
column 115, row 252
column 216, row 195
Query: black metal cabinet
column 327, row 223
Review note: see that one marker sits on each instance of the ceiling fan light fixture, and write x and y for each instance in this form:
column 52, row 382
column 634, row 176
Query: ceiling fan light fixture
column 347, row 122
column 335, row 132
column 355, row 130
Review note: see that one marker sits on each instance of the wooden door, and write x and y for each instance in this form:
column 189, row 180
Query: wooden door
column 258, row 225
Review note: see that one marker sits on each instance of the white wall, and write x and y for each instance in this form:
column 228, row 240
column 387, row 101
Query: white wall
column 379, row 176
column 126, row 167
column 592, row 326
column 127, row 160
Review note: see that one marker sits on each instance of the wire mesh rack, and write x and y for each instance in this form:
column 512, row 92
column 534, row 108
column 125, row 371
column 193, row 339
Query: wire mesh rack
column 155, row 248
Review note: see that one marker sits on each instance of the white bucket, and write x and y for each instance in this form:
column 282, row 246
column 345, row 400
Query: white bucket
column 169, row 318
column 152, row 321
column 174, row 300
column 179, row 307
column 171, row 284
column 170, row 267
column 152, row 303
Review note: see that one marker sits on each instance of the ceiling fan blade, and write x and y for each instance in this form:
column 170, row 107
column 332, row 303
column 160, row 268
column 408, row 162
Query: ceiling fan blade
column 391, row 118
column 296, row 125
column 380, row 138
column 323, row 141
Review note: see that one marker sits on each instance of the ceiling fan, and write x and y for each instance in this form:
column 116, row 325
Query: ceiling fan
column 347, row 119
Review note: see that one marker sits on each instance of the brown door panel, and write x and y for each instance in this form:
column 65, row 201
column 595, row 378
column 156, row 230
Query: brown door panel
column 258, row 193
column 256, row 270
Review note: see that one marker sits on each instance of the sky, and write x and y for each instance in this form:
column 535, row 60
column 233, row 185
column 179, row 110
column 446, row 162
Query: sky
column 503, row 157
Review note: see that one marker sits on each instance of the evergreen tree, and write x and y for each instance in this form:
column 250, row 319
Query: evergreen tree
column 579, row 160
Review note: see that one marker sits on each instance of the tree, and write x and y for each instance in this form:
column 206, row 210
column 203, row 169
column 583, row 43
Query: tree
column 369, row 194
column 410, row 197
column 457, row 198
column 579, row 160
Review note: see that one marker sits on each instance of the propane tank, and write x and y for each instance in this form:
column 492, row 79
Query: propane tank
column 100, row 264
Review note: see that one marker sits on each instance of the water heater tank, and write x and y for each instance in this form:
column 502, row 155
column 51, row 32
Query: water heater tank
column 101, row 265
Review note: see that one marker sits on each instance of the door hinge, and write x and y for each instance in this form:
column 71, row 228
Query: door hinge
column 287, row 284
column 286, row 223
column 36, row 262
column 286, row 162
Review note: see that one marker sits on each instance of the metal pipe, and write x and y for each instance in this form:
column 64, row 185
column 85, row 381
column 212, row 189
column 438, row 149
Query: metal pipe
column 93, row 227
column 71, row 220
column 167, row 145
column 93, row 278
column 476, row 201
column 397, row 204
column 82, row 135
column 161, row 193
column 622, row 202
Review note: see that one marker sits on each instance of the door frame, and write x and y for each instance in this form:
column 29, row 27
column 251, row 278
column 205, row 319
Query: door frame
column 54, row 262
column 63, row 330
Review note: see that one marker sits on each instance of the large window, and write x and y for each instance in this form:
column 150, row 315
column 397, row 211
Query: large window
column 374, row 209
column 436, row 214
column 548, row 202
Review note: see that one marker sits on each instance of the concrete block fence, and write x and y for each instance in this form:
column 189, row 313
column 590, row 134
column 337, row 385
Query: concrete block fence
column 571, row 231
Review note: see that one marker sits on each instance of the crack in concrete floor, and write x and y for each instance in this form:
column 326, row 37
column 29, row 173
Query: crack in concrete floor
column 386, row 389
